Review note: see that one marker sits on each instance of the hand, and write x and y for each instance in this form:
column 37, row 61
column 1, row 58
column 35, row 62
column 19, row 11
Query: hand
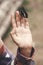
column 20, row 33
column 2, row 49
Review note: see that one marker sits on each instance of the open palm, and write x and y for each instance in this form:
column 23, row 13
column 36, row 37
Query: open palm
column 21, row 34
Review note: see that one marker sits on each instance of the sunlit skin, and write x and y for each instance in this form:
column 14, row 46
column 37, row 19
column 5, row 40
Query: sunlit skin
column 18, row 17
column 2, row 48
column 21, row 34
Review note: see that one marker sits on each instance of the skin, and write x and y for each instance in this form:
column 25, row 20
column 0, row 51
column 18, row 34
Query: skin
column 21, row 34
column 2, row 48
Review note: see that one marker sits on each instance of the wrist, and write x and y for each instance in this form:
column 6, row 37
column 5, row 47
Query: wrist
column 19, row 55
column 27, row 52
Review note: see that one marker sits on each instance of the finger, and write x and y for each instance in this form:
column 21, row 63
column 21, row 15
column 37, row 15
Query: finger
column 1, row 43
column 27, row 23
column 23, row 22
column 13, row 21
column 12, row 32
column 17, row 18
column 17, row 21
column 15, row 39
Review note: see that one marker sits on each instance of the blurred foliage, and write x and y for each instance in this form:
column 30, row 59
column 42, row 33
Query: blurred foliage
column 26, row 4
column 7, row 33
column 29, row 9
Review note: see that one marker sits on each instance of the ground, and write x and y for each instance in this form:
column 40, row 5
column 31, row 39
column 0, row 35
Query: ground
column 36, row 26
